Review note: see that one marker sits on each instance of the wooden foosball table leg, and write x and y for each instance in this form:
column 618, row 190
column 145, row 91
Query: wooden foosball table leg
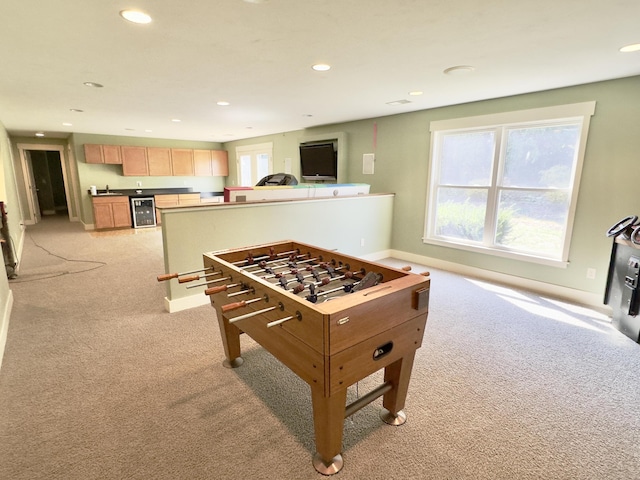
column 231, row 342
column 328, row 421
column 398, row 374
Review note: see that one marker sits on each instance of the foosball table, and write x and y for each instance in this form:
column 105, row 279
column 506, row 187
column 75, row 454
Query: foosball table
column 331, row 318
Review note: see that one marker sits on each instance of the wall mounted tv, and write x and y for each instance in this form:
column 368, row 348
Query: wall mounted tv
column 318, row 161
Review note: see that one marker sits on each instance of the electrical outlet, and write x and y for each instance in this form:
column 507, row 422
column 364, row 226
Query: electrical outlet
column 362, row 242
column 138, row 184
column 591, row 273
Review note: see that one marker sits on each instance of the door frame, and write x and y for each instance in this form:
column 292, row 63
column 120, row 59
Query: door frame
column 253, row 151
column 27, row 174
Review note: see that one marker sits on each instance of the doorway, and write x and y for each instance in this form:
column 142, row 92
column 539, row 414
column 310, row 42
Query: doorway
column 46, row 182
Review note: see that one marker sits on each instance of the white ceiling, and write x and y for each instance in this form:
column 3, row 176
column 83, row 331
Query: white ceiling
column 258, row 57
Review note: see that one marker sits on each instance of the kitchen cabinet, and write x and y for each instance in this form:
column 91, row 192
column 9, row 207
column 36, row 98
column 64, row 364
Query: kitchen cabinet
column 202, row 163
column 111, row 212
column 134, row 161
column 182, row 161
column 188, row 199
column 109, row 154
column 220, row 163
column 159, row 161
column 211, row 163
column 93, row 153
column 168, row 200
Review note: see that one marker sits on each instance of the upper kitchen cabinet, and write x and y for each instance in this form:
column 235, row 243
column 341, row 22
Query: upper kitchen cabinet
column 102, row 154
column 134, row 161
column 220, row 163
column 202, row 163
column 182, row 162
column 111, row 154
column 210, row 162
column 159, row 160
column 93, row 153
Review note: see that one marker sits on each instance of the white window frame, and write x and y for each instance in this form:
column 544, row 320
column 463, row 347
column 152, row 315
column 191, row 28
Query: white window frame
column 253, row 151
column 580, row 112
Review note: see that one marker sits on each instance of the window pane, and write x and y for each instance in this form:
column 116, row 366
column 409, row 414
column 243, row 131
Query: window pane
column 466, row 159
column 262, row 165
column 461, row 213
column 245, row 170
column 533, row 221
column 541, row 156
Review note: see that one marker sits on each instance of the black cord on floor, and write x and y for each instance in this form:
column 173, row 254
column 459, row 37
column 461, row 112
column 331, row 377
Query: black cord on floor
column 97, row 262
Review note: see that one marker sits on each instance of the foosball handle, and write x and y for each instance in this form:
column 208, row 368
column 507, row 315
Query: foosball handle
column 214, row 290
column 233, row 306
column 167, row 276
column 407, row 268
column 189, row 278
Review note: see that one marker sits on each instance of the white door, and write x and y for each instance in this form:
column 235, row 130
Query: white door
column 34, row 205
column 254, row 163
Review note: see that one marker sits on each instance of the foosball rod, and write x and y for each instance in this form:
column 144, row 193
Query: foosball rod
column 193, row 278
column 262, row 264
column 208, row 282
column 307, row 268
column 262, row 257
column 326, row 272
column 234, row 306
column 253, row 314
column 169, row 276
column 221, row 288
column 298, row 315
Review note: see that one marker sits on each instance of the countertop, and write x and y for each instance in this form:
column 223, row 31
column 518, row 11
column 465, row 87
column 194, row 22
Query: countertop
column 149, row 192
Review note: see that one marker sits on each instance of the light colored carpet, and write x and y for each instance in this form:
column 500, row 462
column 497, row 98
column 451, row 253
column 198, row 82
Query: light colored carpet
column 99, row 382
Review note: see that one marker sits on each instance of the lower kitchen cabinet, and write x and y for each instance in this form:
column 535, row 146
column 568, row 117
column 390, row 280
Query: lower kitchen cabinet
column 111, row 212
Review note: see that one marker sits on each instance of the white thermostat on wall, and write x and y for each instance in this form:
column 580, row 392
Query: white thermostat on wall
column 368, row 160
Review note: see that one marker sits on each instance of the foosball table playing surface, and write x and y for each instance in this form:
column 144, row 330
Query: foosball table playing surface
column 333, row 319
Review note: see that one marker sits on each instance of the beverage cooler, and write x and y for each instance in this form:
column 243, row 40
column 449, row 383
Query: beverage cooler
column 622, row 282
column 143, row 212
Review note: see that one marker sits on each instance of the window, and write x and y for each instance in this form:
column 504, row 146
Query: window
column 507, row 184
column 254, row 163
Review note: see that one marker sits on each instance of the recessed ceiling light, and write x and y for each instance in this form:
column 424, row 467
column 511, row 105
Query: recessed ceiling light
column 135, row 16
column 130, row 129
column 93, row 84
column 176, row 120
column 631, row 48
column 321, row 67
column 222, row 103
column 416, row 93
column 458, row 69
column 148, row 131
column 39, row 134
column 67, row 124
column 256, row 1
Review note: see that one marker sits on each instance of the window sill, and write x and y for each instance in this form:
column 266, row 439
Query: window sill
column 498, row 252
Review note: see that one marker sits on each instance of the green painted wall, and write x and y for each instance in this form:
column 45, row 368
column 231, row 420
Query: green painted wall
column 102, row 175
column 9, row 195
column 608, row 190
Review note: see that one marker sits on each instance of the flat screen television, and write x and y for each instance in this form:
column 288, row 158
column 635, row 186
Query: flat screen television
column 318, row 161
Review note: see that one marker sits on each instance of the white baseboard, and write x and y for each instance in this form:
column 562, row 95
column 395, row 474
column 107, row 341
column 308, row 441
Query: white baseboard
column 4, row 324
column 185, row 303
column 588, row 299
